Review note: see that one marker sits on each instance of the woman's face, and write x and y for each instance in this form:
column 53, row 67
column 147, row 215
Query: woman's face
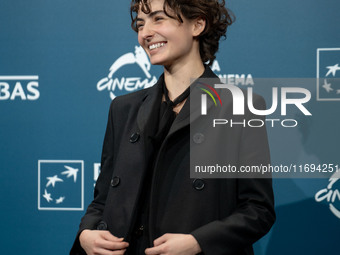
column 165, row 40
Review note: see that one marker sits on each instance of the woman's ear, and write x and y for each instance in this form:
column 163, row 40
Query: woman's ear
column 199, row 26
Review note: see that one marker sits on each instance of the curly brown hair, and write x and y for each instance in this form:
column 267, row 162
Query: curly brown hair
column 214, row 12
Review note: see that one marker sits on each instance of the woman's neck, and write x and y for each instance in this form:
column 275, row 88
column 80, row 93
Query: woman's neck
column 178, row 78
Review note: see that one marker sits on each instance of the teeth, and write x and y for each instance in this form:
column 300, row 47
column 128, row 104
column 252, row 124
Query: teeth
column 155, row 46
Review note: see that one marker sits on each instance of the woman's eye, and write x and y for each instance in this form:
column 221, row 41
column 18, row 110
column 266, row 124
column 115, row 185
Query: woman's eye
column 138, row 26
column 158, row 18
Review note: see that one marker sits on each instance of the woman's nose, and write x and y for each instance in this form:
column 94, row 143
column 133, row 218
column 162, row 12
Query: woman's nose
column 147, row 32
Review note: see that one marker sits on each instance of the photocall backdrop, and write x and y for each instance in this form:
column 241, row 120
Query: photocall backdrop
column 62, row 62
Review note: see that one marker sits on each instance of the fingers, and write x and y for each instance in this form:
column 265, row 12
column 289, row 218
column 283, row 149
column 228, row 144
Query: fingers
column 108, row 252
column 109, row 237
column 160, row 247
column 155, row 250
column 111, row 245
column 102, row 242
column 174, row 244
column 110, row 242
column 161, row 239
column 120, row 252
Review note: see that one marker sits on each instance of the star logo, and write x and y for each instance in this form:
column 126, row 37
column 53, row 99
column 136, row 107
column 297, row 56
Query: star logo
column 53, row 180
column 60, row 200
column 327, row 86
column 47, row 196
column 59, row 186
column 328, row 77
column 71, row 172
column 332, row 70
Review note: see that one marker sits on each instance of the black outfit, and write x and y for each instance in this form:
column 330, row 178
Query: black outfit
column 140, row 234
column 226, row 216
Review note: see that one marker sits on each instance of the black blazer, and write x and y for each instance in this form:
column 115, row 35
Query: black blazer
column 226, row 216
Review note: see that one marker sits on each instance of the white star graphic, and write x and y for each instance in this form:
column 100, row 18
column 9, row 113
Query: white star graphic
column 71, row 172
column 332, row 69
column 60, row 200
column 327, row 86
column 53, row 180
column 47, row 196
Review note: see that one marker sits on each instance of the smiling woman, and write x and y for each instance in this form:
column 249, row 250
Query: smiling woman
column 148, row 203
column 168, row 41
column 214, row 13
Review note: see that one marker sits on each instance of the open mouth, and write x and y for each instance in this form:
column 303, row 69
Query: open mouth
column 156, row 45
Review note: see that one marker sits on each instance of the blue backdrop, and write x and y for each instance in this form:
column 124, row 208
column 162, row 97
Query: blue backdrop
column 61, row 63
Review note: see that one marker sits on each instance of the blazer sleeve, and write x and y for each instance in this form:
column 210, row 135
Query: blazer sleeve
column 94, row 213
column 254, row 214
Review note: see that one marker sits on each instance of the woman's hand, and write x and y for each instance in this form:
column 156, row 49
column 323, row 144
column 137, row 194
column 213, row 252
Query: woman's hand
column 171, row 244
column 99, row 242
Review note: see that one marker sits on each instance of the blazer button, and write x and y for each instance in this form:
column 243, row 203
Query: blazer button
column 102, row 225
column 198, row 184
column 115, row 181
column 198, row 138
column 139, row 231
column 134, row 137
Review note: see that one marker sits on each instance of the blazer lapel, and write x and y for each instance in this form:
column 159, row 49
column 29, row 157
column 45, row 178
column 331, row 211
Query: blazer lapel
column 192, row 107
column 148, row 108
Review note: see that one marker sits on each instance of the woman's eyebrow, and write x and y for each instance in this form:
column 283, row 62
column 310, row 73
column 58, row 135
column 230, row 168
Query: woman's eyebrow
column 151, row 14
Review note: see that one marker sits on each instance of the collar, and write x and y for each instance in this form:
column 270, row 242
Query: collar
column 151, row 102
